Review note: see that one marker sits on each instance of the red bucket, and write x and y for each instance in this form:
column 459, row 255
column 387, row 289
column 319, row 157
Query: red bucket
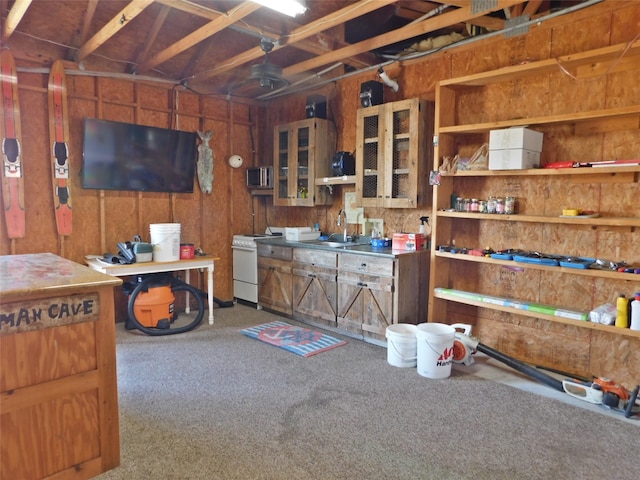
column 187, row 251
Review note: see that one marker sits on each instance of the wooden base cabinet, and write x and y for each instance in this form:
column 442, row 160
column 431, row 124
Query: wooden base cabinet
column 365, row 304
column 58, row 389
column 375, row 292
column 274, row 278
column 357, row 294
column 315, row 286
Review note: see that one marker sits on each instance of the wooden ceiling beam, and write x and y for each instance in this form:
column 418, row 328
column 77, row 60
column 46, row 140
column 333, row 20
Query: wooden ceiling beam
column 305, row 31
column 202, row 33
column 86, row 21
column 152, row 35
column 117, row 23
column 13, row 18
column 532, row 7
column 314, row 46
column 320, row 44
column 432, row 24
column 490, row 23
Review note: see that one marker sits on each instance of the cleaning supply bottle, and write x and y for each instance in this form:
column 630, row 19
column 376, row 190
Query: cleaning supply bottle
column 423, row 222
column 622, row 316
column 635, row 313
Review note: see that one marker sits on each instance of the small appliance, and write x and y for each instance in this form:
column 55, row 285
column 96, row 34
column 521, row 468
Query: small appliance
column 316, row 106
column 343, row 164
column 370, row 93
column 260, row 177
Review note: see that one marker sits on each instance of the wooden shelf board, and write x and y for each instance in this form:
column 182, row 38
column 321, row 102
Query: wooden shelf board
column 544, row 171
column 564, row 119
column 604, row 221
column 552, row 318
column 343, row 180
column 263, row 192
column 587, row 272
column 541, row 67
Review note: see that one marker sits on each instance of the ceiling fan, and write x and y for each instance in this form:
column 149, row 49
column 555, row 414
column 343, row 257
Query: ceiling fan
column 265, row 75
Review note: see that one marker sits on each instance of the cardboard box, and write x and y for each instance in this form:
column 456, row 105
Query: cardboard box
column 408, row 241
column 300, row 234
column 515, row 137
column 513, row 159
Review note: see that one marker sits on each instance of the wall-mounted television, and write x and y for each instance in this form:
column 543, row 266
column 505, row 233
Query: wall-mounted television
column 124, row 156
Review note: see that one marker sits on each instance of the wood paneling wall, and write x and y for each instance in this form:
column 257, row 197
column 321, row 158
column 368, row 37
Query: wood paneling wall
column 104, row 218
column 209, row 221
column 540, row 342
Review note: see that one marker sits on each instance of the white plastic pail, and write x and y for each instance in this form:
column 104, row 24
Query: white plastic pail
column 435, row 349
column 165, row 238
column 401, row 345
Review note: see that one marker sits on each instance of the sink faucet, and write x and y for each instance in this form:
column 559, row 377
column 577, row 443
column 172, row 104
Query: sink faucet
column 342, row 218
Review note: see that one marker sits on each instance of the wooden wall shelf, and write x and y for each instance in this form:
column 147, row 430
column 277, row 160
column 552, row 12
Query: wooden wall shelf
column 343, row 180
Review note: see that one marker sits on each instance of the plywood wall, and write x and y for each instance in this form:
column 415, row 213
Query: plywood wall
column 565, row 347
column 209, row 221
column 104, row 218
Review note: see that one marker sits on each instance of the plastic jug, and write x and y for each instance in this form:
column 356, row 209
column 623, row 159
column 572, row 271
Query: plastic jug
column 635, row 313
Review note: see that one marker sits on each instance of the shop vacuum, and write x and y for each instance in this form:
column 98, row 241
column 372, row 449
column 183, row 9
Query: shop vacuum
column 151, row 305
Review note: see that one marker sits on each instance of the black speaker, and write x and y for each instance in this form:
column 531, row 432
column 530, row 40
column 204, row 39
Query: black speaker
column 316, row 106
column 370, row 93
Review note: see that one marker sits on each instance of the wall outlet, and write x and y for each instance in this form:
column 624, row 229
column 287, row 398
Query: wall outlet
column 370, row 223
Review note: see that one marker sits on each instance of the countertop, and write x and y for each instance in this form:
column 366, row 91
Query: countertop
column 22, row 275
column 364, row 249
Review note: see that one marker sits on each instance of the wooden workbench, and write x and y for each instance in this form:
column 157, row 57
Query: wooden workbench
column 58, row 388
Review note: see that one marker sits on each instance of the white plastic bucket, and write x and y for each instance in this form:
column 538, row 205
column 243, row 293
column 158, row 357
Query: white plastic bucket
column 165, row 238
column 435, row 349
column 401, row 345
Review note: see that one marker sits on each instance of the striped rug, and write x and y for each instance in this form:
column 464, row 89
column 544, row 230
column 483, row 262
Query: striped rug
column 301, row 341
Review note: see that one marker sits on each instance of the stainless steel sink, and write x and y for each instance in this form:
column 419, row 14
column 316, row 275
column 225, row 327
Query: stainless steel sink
column 335, row 244
column 336, row 241
column 339, row 242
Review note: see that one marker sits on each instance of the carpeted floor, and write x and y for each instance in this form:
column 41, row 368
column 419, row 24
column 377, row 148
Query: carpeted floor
column 215, row 404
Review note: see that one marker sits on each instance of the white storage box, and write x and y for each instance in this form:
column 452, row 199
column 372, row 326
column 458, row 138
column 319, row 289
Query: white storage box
column 513, row 159
column 300, row 234
column 515, row 138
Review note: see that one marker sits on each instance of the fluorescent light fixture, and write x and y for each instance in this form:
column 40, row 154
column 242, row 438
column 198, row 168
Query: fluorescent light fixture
column 287, row 7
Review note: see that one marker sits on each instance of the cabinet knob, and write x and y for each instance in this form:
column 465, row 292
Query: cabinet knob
column 361, row 284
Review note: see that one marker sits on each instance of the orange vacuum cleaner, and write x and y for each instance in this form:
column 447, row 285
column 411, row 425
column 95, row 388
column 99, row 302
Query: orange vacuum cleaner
column 151, row 306
column 155, row 307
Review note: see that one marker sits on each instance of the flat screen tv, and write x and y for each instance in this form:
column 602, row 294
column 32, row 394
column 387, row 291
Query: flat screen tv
column 124, row 156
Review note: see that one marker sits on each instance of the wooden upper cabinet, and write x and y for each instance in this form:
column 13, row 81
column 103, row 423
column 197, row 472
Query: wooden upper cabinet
column 303, row 151
column 392, row 156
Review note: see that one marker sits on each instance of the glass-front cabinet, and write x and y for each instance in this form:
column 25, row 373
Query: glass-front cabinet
column 303, row 151
column 392, row 161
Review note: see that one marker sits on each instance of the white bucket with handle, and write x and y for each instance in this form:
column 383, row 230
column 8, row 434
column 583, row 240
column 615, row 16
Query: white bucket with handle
column 435, row 349
column 401, row 345
column 165, row 239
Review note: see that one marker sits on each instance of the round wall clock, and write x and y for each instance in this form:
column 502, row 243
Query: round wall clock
column 235, row 161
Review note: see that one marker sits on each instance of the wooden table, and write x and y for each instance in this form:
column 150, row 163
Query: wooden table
column 161, row 267
column 58, row 387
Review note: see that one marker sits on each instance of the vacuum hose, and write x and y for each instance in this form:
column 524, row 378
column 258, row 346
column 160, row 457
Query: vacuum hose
column 522, row 367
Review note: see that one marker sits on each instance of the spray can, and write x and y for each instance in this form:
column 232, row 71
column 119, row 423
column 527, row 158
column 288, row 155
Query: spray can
column 635, row 313
column 622, row 316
